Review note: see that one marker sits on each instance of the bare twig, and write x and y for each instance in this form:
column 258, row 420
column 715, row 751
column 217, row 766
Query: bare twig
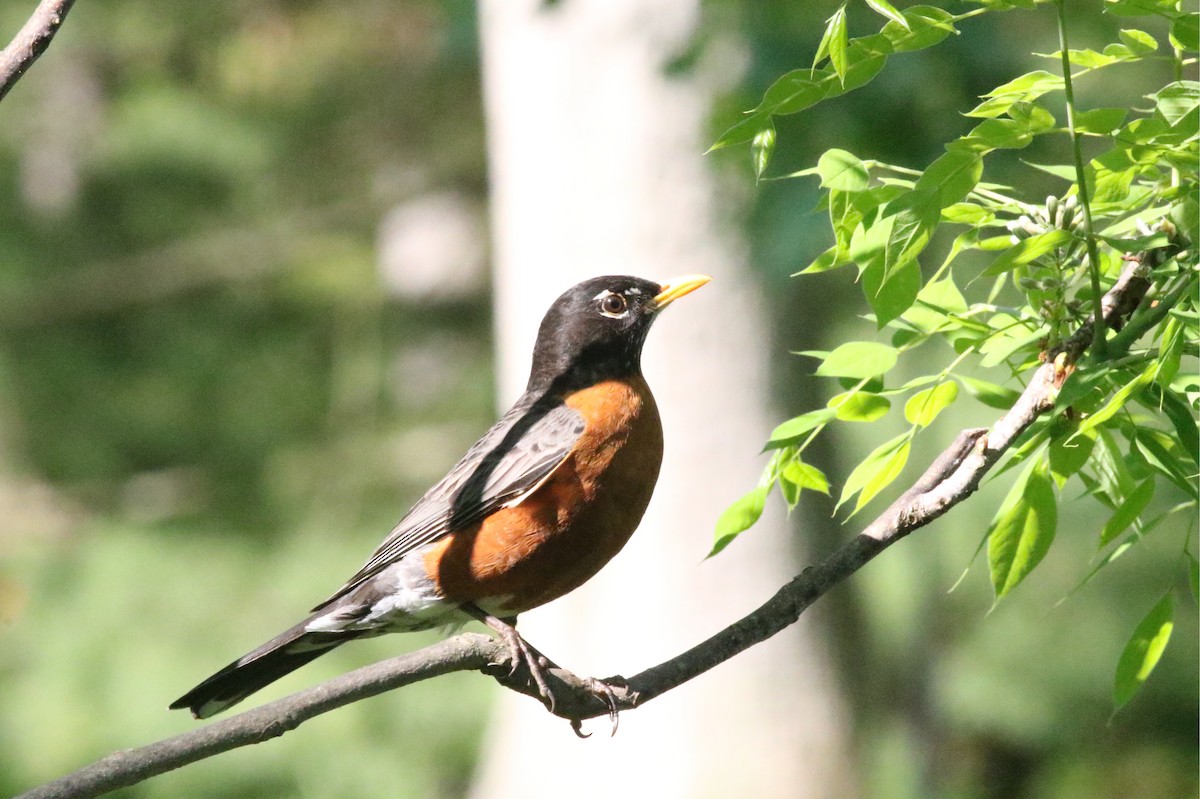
column 950, row 479
column 31, row 41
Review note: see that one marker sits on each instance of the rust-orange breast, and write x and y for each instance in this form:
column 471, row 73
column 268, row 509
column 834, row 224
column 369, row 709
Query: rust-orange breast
column 575, row 522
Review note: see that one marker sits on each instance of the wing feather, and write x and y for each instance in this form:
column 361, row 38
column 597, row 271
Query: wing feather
column 514, row 457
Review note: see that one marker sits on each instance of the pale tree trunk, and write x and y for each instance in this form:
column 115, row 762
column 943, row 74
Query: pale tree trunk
column 596, row 168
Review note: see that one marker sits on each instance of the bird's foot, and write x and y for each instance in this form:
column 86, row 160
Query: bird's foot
column 603, row 689
column 523, row 652
column 520, row 651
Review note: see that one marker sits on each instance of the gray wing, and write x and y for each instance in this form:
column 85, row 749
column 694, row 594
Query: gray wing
column 517, row 454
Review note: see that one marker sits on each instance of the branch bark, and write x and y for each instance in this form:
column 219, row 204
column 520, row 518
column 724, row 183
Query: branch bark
column 31, row 41
column 952, row 477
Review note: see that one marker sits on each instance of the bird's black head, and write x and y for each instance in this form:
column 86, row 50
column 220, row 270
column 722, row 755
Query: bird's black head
column 596, row 329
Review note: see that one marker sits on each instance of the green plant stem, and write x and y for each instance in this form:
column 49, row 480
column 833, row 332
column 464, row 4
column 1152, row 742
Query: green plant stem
column 1098, row 329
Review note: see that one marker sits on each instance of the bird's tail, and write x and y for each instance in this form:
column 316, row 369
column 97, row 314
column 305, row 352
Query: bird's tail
column 281, row 655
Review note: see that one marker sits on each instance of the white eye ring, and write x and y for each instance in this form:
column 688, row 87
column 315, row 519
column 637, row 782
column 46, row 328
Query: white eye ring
column 612, row 305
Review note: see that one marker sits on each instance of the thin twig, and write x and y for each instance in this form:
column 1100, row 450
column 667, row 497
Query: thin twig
column 950, row 479
column 1089, row 235
column 31, row 41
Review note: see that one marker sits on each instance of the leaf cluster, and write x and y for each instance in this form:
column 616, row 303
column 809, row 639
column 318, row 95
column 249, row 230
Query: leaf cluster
column 1018, row 279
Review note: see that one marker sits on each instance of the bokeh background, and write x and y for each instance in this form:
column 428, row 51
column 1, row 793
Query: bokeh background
column 246, row 318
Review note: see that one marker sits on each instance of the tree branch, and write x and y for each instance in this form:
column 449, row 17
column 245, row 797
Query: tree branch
column 31, row 41
column 950, row 479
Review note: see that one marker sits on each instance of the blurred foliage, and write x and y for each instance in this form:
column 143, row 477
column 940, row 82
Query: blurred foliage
column 203, row 363
column 206, row 379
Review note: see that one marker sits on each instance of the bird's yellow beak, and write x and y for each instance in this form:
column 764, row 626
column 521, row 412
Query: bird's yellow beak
column 676, row 287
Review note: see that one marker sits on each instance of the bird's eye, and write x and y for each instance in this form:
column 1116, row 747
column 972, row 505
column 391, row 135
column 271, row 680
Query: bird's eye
column 613, row 305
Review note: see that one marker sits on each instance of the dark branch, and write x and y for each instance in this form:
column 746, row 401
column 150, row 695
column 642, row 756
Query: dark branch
column 31, row 41
column 950, row 479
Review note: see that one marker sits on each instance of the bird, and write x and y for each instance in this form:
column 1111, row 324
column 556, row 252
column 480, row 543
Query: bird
column 533, row 510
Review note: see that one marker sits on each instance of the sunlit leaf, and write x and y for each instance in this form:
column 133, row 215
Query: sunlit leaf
column 792, row 429
column 1143, row 651
column 738, row 518
column 742, row 131
column 924, row 27
column 796, row 91
column 1185, row 32
column 952, row 175
column 842, row 171
column 1022, row 531
column 1029, row 250
column 761, row 147
column 838, row 40
column 1118, row 400
column 890, row 295
column 886, row 9
column 1068, row 455
column 1128, row 511
column 1178, row 100
column 1138, row 42
column 877, row 470
column 924, row 406
column 806, row 476
column 860, row 406
column 859, row 359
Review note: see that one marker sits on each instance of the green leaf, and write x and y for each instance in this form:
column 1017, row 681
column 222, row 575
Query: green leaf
column 876, row 471
column 1138, row 8
column 1021, row 534
column 995, row 134
column 792, row 429
column 795, row 91
column 859, row 359
column 891, row 295
column 952, row 175
column 917, row 214
column 967, row 214
column 743, row 131
column 1032, row 118
column 845, row 215
column 1193, row 575
column 1159, row 451
column 1185, row 32
column 1025, row 88
column 823, row 263
column 1029, row 250
column 1143, row 651
column 866, row 56
column 860, row 406
column 1138, row 42
column 738, row 518
column 1118, row 400
column 761, row 147
column 1068, row 455
column 924, row 406
column 842, row 171
column 989, row 394
column 924, row 27
column 1128, row 511
column 885, row 8
column 1100, row 120
column 807, row 476
column 838, row 40
column 1177, row 100
column 1030, row 85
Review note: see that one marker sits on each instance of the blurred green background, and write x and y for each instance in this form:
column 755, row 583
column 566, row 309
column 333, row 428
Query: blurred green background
column 214, row 391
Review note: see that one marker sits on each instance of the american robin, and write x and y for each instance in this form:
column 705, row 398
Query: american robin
column 534, row 509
